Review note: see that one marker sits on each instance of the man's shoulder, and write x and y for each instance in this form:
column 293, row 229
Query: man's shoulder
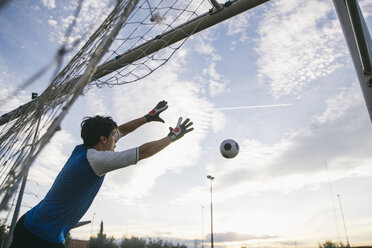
column 80, row 148
column 78, row 156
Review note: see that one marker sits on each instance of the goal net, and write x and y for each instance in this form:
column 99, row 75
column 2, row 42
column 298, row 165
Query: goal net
column 136, row 38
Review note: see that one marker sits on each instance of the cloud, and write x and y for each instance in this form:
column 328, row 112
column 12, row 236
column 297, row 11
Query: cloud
column 216, row 88
column 10, row 96
column 217, row 84
column 67, row 21
column 238, row 26
column 50, row 4
column 52, row 158
column 52, row 22
column 298, row 43
column 91, row 15
column 203, row 44
column 236, row 237
column 337, row 136
column 211, row 72
column 96, row 99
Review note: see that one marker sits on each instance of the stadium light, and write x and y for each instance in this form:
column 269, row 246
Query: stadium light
column 210, row 180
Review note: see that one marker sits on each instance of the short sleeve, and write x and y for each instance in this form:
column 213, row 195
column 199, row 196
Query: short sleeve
column 106, row 161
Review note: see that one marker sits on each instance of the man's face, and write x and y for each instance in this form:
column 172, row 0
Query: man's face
column 110, row 143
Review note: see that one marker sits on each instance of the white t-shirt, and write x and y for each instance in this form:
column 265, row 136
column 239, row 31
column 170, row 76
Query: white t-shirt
column 105, row 161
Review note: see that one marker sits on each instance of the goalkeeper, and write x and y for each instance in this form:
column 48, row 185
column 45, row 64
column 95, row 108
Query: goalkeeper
column 47, row 224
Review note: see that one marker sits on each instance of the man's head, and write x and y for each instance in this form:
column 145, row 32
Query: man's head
column 98, row 130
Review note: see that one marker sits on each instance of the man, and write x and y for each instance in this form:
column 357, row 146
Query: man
column 73, row 191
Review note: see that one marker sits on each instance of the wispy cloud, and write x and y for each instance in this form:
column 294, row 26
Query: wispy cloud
column 10, row 96
column 50, row 4
column 238, row 25
column 52, row 22
column 91, row 15
column 217, row 83
column 297, row 44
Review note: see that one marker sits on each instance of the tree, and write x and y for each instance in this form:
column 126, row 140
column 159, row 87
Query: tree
column 162, row 244
column 68, row 240
column 330, row 244
column 101, row 241
column 133, row 242
column 155, row 243
column 3, row 234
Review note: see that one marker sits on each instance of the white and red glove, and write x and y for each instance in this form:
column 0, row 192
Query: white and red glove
column 153, row 115
column 181, row 129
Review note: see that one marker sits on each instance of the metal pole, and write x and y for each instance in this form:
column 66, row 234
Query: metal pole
column 211, row 217
column 210, row 180
column 202, row 240
column 359, row 35
column 343, row 219
column 359, row 42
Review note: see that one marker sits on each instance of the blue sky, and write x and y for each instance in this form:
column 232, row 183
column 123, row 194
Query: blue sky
column 281, row 189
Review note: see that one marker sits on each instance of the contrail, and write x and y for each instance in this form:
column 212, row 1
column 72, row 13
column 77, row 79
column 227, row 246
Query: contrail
column 254, row 106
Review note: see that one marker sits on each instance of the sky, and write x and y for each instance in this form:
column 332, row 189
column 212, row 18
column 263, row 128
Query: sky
column 302, row 158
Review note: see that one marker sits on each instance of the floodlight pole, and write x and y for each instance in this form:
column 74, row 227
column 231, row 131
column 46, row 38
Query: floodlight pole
column 343, row 219
column 91, row 229
column 210, row 180
column 202, row 240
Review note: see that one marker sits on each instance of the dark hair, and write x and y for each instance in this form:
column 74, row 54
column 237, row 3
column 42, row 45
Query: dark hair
column 92, row 128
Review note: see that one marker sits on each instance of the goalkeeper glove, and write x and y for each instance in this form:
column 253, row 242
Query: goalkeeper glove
column 180, row 130
column 153, row 115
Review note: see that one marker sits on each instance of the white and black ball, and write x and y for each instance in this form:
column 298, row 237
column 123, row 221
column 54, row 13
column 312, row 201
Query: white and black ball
column 229, row 148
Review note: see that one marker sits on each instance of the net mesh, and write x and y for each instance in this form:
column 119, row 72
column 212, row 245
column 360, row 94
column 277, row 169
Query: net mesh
column 129, row 44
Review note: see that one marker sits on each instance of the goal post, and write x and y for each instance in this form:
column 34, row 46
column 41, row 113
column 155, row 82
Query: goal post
column 359, row 42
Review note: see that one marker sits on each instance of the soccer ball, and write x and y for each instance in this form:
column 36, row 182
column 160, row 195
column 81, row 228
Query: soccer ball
column 229, row 148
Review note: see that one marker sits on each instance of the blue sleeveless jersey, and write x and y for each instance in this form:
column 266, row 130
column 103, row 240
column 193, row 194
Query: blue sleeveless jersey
column 67, row 201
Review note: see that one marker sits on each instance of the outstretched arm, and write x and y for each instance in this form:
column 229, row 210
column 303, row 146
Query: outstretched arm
column 150, row 148
column 153, row 147
column 130, row 126
column 153, row 115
